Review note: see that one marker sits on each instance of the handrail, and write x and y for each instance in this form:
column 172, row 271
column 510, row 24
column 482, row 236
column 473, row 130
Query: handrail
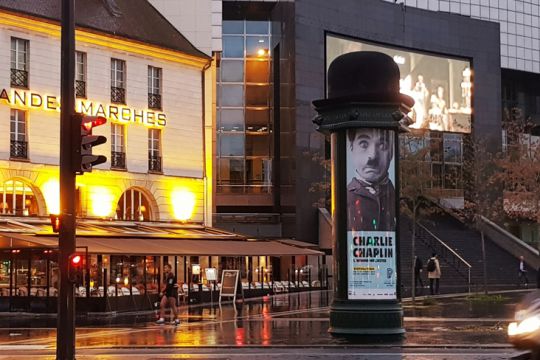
column 446, row 246
column 509, row 235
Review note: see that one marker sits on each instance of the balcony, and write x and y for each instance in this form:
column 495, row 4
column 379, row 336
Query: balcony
column 154, row 101
column 154, row 163
column 118, row 95
column 18, row 149
column 118, row 160
column 80, row 89
column 19, row 78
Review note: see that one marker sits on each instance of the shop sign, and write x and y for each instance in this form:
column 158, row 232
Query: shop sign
column 116, row 113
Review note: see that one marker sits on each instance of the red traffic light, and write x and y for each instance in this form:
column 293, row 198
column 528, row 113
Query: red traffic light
column 76, row 259
column 55, row 222
column 89, row 122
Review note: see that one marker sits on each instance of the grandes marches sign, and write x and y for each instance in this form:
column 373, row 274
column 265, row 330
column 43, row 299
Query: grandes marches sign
column 119, row 113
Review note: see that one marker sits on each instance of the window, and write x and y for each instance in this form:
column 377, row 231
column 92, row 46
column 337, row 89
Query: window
column 118, row 81
column 154, row 88
column 19, row 62
column 18, row 141
column 18, row 198
column 154, row 150
column 133, row 205
column 243, row 108
column 80, row 74
column 118, row 153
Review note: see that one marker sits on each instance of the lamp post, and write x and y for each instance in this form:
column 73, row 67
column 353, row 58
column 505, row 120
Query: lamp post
column 363, row 114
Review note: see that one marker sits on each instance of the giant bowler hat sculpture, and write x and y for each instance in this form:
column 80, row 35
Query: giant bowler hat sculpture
column 363, row 76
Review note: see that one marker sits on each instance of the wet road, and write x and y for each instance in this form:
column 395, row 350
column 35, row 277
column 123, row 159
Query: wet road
column 451, row 326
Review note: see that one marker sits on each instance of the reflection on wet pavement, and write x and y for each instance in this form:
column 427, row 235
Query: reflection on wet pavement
column 296, row 319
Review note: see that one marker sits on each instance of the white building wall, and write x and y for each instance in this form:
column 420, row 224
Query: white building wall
column 198, row 20
column 182, row 148
column 519, row 20
column 182, row 137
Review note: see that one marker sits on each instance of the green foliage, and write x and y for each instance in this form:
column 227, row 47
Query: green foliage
column 486, row 299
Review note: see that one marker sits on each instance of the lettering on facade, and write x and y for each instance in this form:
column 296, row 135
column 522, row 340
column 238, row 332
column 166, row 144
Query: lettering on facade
column 32, row 100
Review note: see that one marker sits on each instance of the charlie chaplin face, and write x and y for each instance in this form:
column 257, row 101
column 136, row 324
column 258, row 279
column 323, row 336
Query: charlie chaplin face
column 371, row 153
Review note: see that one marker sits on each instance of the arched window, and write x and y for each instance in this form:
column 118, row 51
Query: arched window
column 133, row 205
column 17, row 198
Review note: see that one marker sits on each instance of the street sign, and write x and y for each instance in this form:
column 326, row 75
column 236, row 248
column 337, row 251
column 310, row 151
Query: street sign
column 230, row 284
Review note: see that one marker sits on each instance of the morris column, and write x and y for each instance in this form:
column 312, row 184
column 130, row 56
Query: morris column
column 363, row 114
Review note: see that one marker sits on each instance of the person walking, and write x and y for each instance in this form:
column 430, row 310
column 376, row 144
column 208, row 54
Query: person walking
column 434, row 274
column 522, row 273
column 169, row 295
column 418, row 266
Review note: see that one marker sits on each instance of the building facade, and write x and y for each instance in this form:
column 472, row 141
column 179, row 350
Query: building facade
column 150, row 90
column 487, row 54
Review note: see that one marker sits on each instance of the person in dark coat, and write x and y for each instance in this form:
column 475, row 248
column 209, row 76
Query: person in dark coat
column 370, row 194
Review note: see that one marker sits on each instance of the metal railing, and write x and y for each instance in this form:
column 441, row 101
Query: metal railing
column 118, row 95
column 154, row 101
column 80, row 88
column 154, row 163
column 446, row 253
column 118, row 160
column 18, row 149
column 19, row 78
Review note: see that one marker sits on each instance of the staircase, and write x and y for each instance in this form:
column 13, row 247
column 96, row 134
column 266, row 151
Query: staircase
column 454, row 270
column 502, row 267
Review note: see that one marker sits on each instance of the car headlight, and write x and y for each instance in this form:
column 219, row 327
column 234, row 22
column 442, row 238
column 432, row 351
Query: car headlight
column 526, row 326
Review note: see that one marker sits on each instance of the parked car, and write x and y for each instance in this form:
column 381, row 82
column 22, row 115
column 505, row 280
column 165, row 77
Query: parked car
column 524, row 332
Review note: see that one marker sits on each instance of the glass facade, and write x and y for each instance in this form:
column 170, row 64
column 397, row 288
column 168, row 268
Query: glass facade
column 244, row 132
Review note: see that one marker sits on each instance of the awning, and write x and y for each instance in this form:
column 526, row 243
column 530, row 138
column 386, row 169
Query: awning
column 171, row 246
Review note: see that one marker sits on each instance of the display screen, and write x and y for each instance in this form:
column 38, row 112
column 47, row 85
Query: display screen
column 441, row 87
column 371, row 214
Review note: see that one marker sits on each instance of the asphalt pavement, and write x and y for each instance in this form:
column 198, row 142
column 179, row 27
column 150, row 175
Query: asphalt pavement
column 291, row 326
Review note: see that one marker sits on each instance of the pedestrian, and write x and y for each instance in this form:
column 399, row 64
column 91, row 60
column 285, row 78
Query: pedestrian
column 418, row 266
column 522, row 273
column 434, row 274
column 169, row 295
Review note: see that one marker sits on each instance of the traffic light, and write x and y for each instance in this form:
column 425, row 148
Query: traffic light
column 75, row 272
column 83, row 141
column 56, row 221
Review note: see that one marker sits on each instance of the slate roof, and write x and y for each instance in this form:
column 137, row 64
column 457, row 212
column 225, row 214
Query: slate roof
column 132, row 19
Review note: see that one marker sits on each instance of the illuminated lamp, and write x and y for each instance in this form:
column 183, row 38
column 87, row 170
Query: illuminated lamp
column 101, row 201
column 183, row 202
column 51, row 192
column 261, row 52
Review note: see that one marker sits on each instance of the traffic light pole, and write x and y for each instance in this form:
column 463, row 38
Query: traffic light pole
column 65, row 338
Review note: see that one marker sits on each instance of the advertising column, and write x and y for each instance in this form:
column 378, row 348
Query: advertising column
column 363, row 114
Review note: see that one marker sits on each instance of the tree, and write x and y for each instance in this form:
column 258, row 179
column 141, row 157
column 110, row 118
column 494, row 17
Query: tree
column 416, row 185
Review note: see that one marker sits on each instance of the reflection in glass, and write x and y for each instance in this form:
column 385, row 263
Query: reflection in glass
column 231, row 145
column 257, row 144
column 231, row 120
column 233, row 27
column 232, row 95
column 257, row 120
column 257, row 95
column 257, row 46
column 231, row 171
column 257, row 71
column 232, row 71
column 259, row 171
column 233, row 47
column 257, row 27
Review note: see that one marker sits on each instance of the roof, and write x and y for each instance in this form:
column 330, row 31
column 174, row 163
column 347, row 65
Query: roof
column 132, row 19
column 144, row 238
column 159, row 246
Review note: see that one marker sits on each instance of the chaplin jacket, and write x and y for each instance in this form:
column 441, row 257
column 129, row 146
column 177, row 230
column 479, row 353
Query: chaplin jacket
column 371, row 207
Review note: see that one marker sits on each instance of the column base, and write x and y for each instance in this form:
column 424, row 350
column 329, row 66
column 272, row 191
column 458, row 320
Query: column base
column 366, row 318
